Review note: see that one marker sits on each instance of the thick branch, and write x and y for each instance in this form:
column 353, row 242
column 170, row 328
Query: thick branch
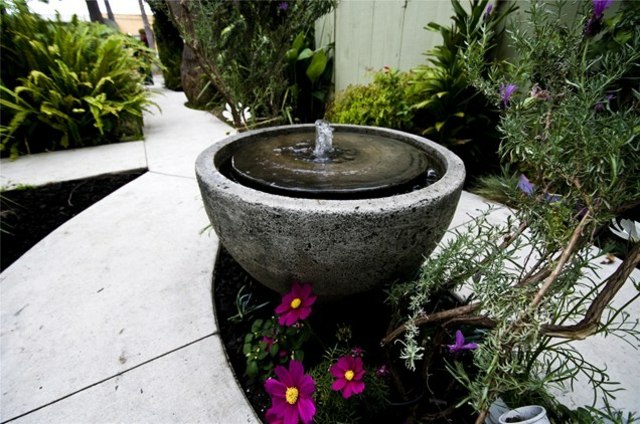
column 462, row 310
column 564, row 257
column 436, row 317
column 181, row 13
column 589, row 324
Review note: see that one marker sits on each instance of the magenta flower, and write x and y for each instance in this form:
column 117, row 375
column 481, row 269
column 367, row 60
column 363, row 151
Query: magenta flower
column 506, row 90
column 291, row 395
column 348, row 372
column 599, row 6
column 357, row 351
column 295, row 305
column 268, row 341
column 460, row 345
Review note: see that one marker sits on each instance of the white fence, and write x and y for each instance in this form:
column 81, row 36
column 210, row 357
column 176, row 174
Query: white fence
column 370, row 34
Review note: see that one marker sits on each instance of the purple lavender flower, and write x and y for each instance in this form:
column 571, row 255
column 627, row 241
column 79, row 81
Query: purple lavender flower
column 551, row 198
column 283, row 6
column 488, row 11
column 599, row 107
column 460, row 345
column 594, row 25
column 506, row 90
column 525, row 186
column 599, row 6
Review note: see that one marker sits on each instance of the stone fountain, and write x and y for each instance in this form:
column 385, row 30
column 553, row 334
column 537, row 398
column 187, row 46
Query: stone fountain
column 345, row 208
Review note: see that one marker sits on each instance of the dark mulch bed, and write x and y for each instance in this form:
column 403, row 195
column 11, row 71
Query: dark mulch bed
column 368, row 317
column 30, row 214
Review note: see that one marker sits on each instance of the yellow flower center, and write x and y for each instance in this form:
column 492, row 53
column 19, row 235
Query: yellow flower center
column 291, row 395
column 295, row 303
column 348, row 375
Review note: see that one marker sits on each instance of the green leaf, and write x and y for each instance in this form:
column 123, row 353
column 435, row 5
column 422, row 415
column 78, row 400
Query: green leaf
column 320, row 95
column 305, row 54
column 439, row 125
column 298, row 42
column 246, row 349
column 252, row 369
column 317, row 65
column 291, row 55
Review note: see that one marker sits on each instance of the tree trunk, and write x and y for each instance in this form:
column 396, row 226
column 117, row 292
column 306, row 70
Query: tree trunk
column 193, row 80
column 109, row 11
column 94, row 11
column 147, row 27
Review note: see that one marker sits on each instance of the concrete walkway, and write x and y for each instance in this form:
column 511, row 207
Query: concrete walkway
column 109, row 318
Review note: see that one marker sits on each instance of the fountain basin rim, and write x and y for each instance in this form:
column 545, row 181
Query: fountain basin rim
column 207, row 170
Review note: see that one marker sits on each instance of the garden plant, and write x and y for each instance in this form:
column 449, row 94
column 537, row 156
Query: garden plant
column 244, row 50
column 169, row 44
column 499, row 311
column 68, row 84
column 436, row 99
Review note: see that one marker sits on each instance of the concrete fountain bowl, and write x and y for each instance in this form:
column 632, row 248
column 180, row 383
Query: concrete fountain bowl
column 340, row 246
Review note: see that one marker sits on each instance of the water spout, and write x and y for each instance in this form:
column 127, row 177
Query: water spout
column 324, row 140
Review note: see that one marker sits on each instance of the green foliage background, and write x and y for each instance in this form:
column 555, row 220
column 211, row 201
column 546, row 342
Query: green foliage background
column 242, row 50
column 435, row 99
column 70, row 85
column 169, row 44
column 382, row 103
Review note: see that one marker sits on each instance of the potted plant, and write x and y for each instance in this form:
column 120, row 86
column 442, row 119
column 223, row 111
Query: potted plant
column 532, row 414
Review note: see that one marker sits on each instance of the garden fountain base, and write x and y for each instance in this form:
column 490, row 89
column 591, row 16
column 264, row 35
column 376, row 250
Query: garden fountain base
column 341, row 247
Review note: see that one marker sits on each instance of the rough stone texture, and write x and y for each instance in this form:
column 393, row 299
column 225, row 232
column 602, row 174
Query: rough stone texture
column 341, row 246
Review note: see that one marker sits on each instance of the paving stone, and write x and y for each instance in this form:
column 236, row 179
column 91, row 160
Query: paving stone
column 472, row 205
column 65, row 165
column 125, row 281
column 190, row 385
column 177, row 135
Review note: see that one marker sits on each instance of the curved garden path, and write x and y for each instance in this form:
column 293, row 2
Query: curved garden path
column 109, row 318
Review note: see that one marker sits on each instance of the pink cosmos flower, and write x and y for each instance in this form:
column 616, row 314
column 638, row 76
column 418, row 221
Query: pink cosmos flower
column 295, row 305
column 348, row 372
column 268, row 341
column 291, row 395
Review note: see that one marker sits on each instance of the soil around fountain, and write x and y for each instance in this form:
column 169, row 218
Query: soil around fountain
column 29, row 214
column 368, row 317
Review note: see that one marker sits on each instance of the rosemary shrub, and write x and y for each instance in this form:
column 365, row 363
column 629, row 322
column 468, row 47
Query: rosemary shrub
column 241, row 47
column 570, row 120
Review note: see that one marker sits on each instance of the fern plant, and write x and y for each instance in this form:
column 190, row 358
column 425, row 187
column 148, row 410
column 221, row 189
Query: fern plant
column 83, row 85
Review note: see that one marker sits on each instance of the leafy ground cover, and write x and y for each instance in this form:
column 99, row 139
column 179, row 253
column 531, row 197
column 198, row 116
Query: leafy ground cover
column 30, row 214
column 354, row 325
